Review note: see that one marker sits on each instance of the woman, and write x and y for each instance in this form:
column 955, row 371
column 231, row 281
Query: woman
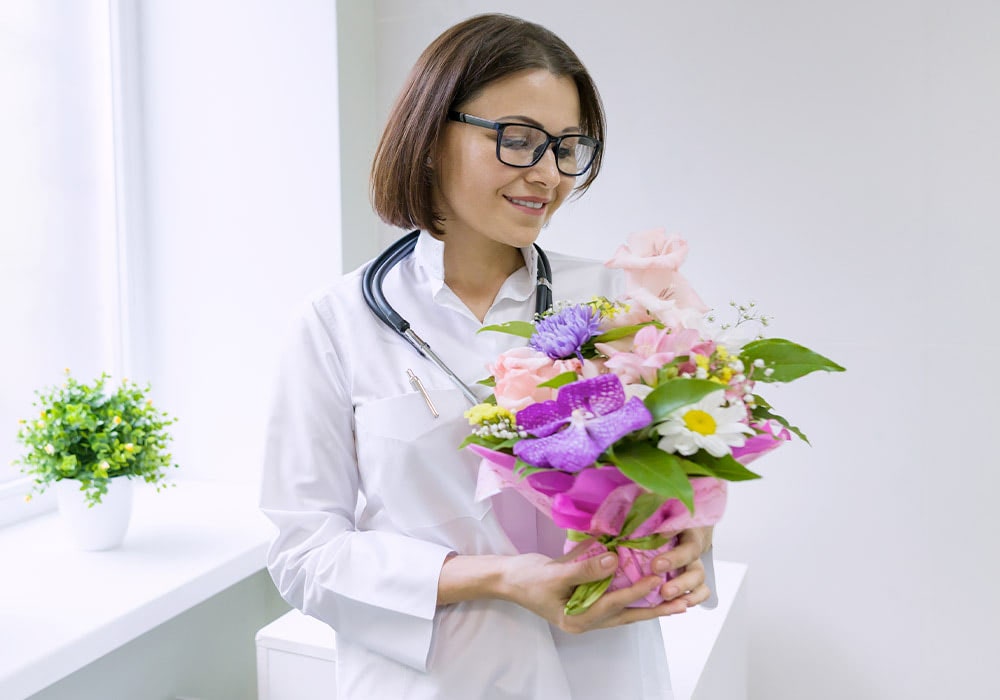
column 433, row 594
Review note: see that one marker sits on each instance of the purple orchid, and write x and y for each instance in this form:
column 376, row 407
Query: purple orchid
column 586, row 418
column 561, row 335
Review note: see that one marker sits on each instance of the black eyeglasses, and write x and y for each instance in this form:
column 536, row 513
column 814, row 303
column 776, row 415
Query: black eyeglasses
column 523, row 145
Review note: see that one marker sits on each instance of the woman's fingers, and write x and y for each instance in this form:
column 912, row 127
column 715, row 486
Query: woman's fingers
column 689, row 548
column 685, row 590
column 629, row 615
column 609, row 606
column 698, row 596
column 590, row 569
column 687, row 581
column 625, row 615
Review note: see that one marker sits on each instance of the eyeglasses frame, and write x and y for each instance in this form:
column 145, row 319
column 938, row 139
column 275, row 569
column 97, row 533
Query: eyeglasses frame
column 557, row 140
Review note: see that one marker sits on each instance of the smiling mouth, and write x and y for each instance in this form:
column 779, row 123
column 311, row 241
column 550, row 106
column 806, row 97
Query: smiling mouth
column 526, row 203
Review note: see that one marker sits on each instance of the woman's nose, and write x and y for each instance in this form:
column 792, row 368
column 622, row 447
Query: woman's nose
column 545, row 171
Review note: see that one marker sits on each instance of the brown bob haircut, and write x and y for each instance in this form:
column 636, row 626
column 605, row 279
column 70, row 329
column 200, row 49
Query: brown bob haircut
column 454, row 69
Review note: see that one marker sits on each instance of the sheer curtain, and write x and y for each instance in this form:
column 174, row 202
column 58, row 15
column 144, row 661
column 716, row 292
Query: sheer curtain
column 58, row 270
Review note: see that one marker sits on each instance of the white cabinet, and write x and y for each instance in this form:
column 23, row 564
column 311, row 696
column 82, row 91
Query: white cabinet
column 296, row 659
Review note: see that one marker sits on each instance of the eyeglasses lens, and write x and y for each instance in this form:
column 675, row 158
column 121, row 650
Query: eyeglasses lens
column 523, row 146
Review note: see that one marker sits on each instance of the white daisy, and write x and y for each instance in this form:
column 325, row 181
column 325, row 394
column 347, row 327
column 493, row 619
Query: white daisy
column 708, row 425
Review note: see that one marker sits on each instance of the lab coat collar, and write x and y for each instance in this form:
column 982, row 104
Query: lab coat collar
column 429, row 257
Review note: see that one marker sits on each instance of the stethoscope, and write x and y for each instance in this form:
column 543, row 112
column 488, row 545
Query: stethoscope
column 371, row 288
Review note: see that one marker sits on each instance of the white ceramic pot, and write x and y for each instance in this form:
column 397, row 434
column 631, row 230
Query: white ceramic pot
column 102, row 526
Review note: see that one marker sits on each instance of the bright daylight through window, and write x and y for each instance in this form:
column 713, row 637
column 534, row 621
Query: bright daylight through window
column 58, row 277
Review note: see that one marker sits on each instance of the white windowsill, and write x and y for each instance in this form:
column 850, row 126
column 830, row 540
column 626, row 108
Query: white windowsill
column 61, row 608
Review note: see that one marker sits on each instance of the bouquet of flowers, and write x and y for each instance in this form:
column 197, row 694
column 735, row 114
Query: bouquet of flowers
column 622, row 419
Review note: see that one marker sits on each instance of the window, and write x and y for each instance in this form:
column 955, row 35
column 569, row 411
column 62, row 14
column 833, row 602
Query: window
column 58, row 244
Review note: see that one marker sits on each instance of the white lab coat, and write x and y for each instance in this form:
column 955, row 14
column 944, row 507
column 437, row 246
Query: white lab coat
column 346, row 422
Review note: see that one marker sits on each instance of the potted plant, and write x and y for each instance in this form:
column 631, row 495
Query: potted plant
column 92, row 440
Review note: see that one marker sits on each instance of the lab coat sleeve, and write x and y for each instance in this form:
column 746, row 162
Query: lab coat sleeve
column 376, row 589
column 708, row 561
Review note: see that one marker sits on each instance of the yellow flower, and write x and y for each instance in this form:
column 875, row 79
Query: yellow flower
column 40, row 424
column 725, row 374
column 129, row 447
column 483, row 413
column 607, row 308
column 701, row 361
column 27, row 498
column 49, row 449
column 104, row 465
column 116, row 420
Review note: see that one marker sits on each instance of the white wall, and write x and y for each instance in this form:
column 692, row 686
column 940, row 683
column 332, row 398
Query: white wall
column 242, row 208
column 839, row 162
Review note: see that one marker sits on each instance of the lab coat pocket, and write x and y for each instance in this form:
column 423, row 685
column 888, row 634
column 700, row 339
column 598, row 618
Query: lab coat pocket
column 410, row 461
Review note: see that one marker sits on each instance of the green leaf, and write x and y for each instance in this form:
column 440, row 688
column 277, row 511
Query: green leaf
column 67, row 463
column 560, row 380
column 695, row 469
column 489, row 381
column 656, row 470
column 523, row 329
column 675, row 393
column 654, row 541
column 577, row 536
column 762, row 412
column 788, row 360
column 667, row 372
column 491, row 443
column 643, row 507
column 523, row 469
column 585, row 595
column 725, row 467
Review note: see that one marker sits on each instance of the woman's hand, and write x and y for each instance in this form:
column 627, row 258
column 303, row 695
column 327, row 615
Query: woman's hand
column 689, row 586
column 543, row 586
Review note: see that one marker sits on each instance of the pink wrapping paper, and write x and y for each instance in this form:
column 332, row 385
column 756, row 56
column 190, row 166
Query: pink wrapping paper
column 596, row 501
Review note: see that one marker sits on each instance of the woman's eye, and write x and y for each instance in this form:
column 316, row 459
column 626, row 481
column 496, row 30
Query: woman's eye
column 515, row 143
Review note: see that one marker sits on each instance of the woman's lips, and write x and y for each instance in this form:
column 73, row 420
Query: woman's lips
column 529, row 205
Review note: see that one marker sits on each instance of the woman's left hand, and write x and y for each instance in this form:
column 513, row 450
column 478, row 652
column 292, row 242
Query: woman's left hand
column 690, row 583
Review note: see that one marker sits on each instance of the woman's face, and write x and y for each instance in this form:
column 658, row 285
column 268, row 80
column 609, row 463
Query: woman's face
column 477, row 194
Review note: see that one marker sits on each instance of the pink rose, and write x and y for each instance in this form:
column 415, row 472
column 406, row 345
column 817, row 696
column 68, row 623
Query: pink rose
column 518, row 373
column 651, row 261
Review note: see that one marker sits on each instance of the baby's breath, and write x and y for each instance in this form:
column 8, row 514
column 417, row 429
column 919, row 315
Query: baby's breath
column 492, row 421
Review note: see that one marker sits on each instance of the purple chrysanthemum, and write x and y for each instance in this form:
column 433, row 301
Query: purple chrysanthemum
column 561, row 335
column 586, row 418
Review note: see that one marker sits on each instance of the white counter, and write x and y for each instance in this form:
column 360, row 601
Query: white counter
column 61, row 609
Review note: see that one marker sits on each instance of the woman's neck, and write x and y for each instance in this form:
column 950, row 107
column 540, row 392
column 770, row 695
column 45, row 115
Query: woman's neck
column 475, row 271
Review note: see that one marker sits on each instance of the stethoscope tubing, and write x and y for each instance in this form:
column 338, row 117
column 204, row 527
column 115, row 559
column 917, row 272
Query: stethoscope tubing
column 371, row 290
